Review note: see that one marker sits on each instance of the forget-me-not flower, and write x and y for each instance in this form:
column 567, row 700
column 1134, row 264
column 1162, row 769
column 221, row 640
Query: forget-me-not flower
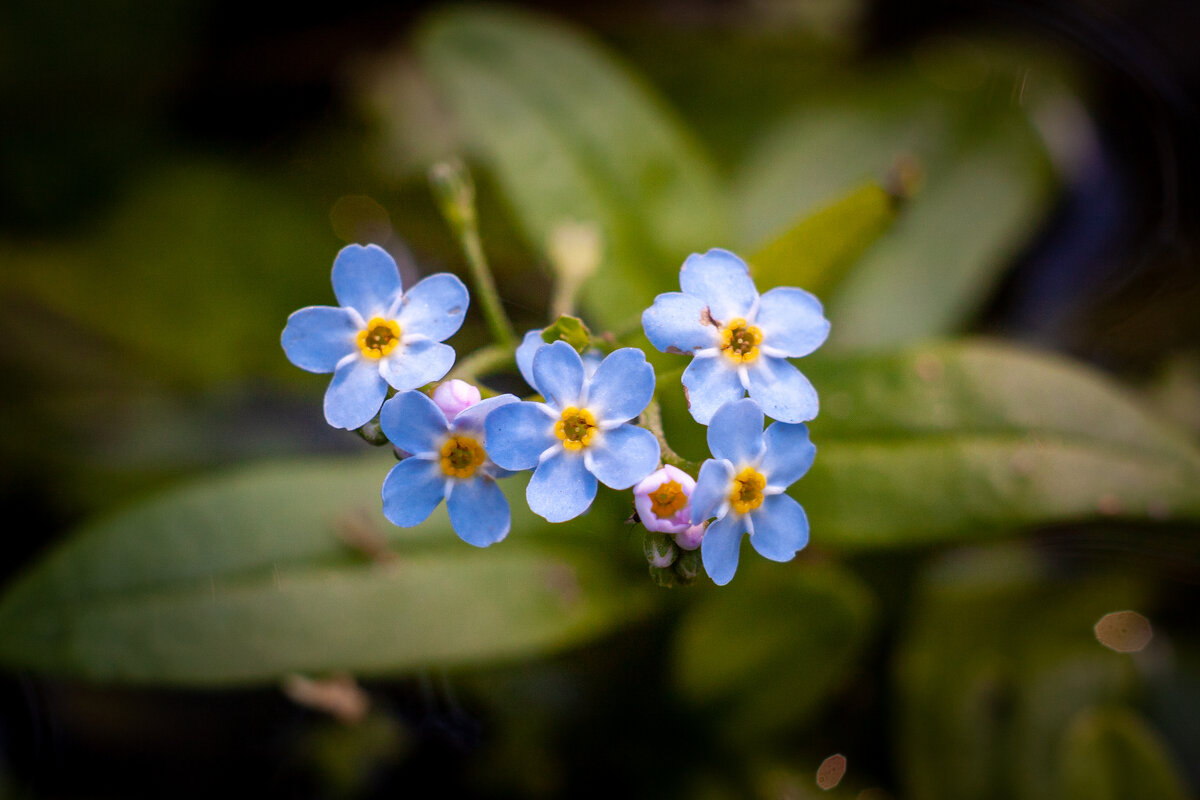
column 449, row 459
column 581, row 433
column 741, row 341
column 379, row 336
column 663, row 503
column 743, row 487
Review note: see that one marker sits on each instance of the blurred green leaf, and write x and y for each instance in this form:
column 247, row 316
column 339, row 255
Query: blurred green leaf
column 248, row 576
column 816, row 252
column 766, row 651
column 1110, row 754
column 572, row 136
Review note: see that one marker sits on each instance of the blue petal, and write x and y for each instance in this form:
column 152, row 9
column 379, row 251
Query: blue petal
column 621, row 387
column 710, row 383
column 413, row 423
column 529, row 345
column 355, row 394
column 474, row 417
column 712, row 489
column 677, row 322
column 416, row 363
column 719, row 549
column 792, row 320
column 622, row 456
column 782, row 391
column 790, row 453
column 478, row 511
column 318, row 337
column 435, row 307
column 518, row 433
column 561, row 488
column 722, row 281
column 558, row 374
column 412, row 490
column 366, row 279
column 736, row 433
column 780, row 528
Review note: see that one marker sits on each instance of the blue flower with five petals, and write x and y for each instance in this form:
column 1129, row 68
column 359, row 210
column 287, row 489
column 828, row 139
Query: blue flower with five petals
column 581, row 433
column 379, row 335
column 741, row 340
column 743, row 487
column 449, row 460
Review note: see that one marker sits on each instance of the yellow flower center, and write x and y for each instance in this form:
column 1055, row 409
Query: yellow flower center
column 576, row 428
column 746, row 494
column 461, row 456
column 740, row 341
column 379, row 338
column 666, row 500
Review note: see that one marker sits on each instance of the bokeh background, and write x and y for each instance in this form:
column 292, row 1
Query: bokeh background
column 176, row 177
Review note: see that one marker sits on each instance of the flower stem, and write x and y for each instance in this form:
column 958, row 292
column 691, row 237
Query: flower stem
column 652, row 419
column 482, row 361
column 455, row 191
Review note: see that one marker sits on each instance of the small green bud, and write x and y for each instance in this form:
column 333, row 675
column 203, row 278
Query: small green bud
column 664, row 577
column 372, row 433
column 455, row 192
column 660, row 549
column 688, row 566
column 570, row 330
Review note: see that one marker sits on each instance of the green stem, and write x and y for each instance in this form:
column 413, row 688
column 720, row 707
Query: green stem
column 482, row 361
column 652, row 419
column 485, row 288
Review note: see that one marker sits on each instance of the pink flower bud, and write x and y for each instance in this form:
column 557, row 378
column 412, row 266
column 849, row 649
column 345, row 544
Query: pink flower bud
column 663, row 500
column 454, row 396
column 690, row 539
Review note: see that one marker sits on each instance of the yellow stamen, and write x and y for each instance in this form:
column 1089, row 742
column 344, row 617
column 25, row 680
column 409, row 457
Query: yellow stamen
column 461, row 456
column 577, row 428
column 379, row 338
column 746, row 494
column 666, row 500
column 740, row 341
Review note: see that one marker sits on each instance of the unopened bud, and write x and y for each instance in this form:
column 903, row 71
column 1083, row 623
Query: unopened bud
column 574, row 250
column 688, row 566
column 664, row 577
column 373, row 433
column 660, row 549
column 454, row 396
column 455, row 191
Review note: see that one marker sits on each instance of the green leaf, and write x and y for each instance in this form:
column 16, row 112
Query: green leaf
column 816, row 252
column 1111, row 754
column 248, row 576
column 766, row 651
column 964, row 440
column 571, row 136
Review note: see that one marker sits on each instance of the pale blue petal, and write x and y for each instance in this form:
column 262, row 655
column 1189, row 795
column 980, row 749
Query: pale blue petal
column 413, row 423
column 473, row 417
column 530, row 343
column 435, row 307
column 318, row 337
column 722, row 281
column 478, row 511
column 412, row 490
column 709, row 384
column 790, row 452
column 792, row 320
column 782, row 391
column 736, row 432
column 679, row 323
column 623, row 456
column 780, row 528
column 712, row 488
column 561, row 488
column 355, row 394
column 518, row 433
column 366, row 279
column 719, row 549
column 558, row 374
column 416, row 363
column 621, row 386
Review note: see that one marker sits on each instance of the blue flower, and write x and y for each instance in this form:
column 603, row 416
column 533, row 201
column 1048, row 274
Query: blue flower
column 532, row 341
column 449, row 460
column 741, row 341
column 581, row 433
column 380, row 335
column 743, row 488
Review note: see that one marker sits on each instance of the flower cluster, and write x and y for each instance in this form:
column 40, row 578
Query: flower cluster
column 385, row 349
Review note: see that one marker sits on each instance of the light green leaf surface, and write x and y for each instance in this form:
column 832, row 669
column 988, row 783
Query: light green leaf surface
column 571, row 135
column 1111, row 754
column 765, row 651
column 248, row 576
